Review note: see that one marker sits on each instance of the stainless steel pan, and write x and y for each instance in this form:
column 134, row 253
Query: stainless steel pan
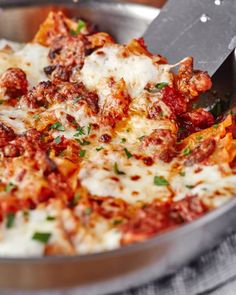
column 131, row 265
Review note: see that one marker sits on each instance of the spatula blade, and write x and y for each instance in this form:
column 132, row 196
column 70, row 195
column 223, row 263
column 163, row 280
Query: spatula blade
column 204, row 29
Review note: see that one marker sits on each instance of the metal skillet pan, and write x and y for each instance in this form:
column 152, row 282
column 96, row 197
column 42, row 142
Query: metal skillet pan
column 131, row 265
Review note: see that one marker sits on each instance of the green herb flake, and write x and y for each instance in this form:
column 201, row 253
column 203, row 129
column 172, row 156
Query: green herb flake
column 88, row 211
column 50, row 218
column 62, row 154
column 25, row 213
column 36, row 117
column 128, row 154
column 99, row 148
column 75, row 200
column 199, row 137
column 117, row 221
column 141, row 138
column 58, row 126
column 179, row 142
column 117, row 171
column 10, row 220
column 42, row 137
column 189, row 186
column 73, row 32
column 161, row 85
column 89, row 128
column 9, row 187
column 83, row 142
column 182, row 173
column 57, row 139
column 80, row 26
column 194, row 105
column 187, row 151
column 80, row 131
column 123, row 140
column 82, row 153
column 42, row 237
column 77, row 99
column 215, row 126
column 160, row 181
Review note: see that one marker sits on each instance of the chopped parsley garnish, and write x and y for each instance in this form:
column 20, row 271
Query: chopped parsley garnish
column 36, row 117
column 199, row 137
column 50, row 218
column 42, row 237
column 9, row 187
column 123, row 140
column 25, row 213
column 189, row 186
column 215, row 126
column 80, row 131
column 117, row 171
column 57, row 139
column 117, row 221
column 89, row 128
column 80, row 26
column 62, row 154
column 161, row 114
column 160, row 181
column 76, row 99
column 99, row 148
column 42, row 137
column 82, row 153
column 58, row 126
column 88, row 211
column 75, row 200
column 128, row 154
column 194, row 105
column 182, row 173
column 83, row 142
column 187, row 151
column 10, row 220
column 161, row 85
column 141, row 138
column 73, row 32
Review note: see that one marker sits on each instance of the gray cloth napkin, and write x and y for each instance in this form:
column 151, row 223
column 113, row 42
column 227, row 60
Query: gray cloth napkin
column 214, row 273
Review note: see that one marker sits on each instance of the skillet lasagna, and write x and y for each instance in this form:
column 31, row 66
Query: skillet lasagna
column 101, row 145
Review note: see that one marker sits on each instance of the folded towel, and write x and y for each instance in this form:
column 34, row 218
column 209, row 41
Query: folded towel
column 214, row 273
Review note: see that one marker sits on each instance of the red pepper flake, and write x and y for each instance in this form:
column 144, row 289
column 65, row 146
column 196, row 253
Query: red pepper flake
column 135, row 177
column 148, row 161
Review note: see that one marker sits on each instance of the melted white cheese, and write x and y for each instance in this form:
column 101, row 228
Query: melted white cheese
column 205, row 181
column 98, row 238
column 32, row 58
column 4, row 43
column 14, row 118
column 17, row 241
column 139, row 126
column 99, row 177
column 136, row 70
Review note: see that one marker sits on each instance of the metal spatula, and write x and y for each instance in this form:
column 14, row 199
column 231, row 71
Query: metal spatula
column 204, row 29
